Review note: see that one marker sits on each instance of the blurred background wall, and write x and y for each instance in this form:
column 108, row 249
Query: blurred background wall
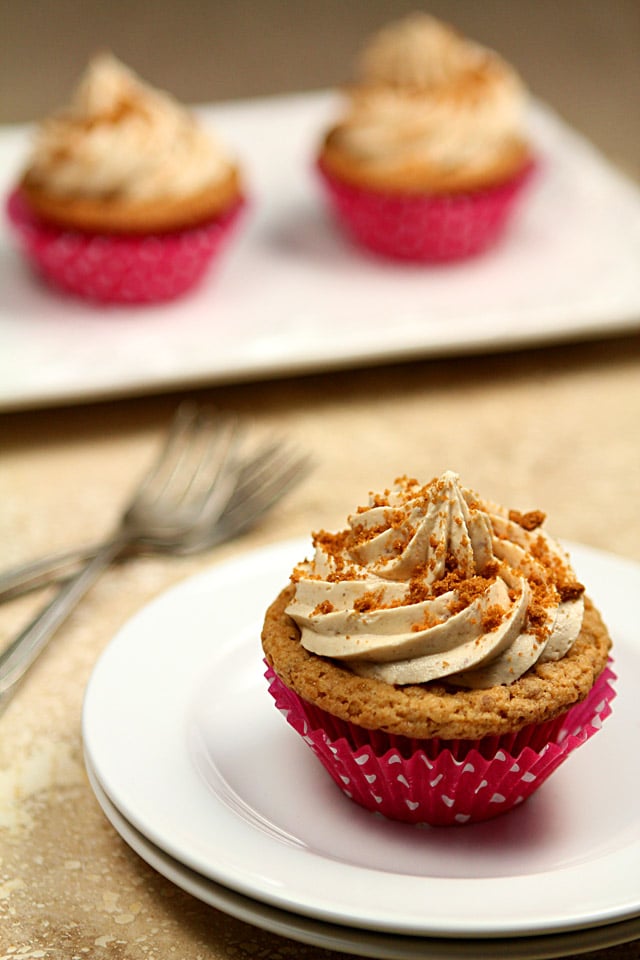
column 581, row 56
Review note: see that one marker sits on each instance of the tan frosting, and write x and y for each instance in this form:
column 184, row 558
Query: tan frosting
column 430, row 581
column 427, row 96
column 120, row 137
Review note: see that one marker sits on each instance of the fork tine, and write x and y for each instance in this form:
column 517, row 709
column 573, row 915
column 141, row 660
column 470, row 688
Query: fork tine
column 245, row 508
column 204, row 455
column 235, row 519
column 259, row 465
column 169, row 456
column 193, row 468
column 219, row 468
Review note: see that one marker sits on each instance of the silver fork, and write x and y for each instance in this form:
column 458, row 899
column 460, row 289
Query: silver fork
column 263, row 478
column 199, row 480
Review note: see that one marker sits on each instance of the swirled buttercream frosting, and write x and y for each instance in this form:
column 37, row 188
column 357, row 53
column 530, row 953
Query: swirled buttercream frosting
column 431, row 582
column 426, row 96
column 120, row 137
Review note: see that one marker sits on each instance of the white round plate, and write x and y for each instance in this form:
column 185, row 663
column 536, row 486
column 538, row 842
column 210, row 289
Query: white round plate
column 366, row 943
column 182, row 733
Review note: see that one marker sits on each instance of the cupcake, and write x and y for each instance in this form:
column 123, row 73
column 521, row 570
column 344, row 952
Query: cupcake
column 124, row 197
column 431, row 154
column 438, row 655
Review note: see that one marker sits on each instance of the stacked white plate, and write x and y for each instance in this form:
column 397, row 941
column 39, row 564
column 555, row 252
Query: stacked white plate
column 202, row 777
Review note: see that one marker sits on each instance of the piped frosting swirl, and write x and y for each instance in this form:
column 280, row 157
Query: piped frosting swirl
column 430, row 582
column 121, row 138
column 427, row 98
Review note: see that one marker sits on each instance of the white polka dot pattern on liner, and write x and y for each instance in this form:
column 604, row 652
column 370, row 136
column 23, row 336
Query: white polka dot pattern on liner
column 120, row 268
column 441, row 789
column 424, row 228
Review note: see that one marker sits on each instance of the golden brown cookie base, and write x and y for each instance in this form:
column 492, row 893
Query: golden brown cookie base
column 418, row 179
column 434, row 709
column 119, row 215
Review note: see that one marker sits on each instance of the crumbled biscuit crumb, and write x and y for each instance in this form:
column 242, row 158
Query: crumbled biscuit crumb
column 528, row 521
column 325, row 607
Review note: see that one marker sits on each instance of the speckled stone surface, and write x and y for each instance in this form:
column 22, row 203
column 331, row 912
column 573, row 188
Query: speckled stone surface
column 69, row 886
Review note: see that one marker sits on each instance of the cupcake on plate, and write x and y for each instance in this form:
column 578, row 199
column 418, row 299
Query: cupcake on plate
column 432, row 152
column 124, row 197
column 438, row 655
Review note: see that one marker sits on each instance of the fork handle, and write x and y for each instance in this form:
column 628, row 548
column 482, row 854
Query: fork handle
column 38, row 573
column 26, row 647
column 54, row 567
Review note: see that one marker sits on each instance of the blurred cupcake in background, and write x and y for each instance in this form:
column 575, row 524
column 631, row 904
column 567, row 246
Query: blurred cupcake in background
column 432, row 153
column 125, row 198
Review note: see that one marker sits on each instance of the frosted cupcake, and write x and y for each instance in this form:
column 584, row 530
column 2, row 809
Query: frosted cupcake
column 432, row 151
column 438, row 655
column 125, row 197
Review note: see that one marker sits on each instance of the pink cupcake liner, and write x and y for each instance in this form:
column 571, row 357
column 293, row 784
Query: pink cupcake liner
column 120, row 268
column 442, row 782
column 428, row 229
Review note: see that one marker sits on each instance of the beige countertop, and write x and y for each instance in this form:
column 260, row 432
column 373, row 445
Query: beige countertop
column 554, row 428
